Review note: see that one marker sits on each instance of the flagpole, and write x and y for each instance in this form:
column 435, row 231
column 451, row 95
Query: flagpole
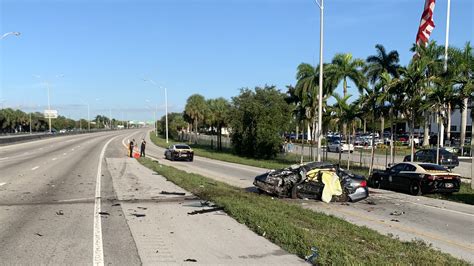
column 446, row 45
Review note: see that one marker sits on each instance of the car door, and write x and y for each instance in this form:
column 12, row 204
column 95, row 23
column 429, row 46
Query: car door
column 405, row 176
column 394, row 176
column 419, row 156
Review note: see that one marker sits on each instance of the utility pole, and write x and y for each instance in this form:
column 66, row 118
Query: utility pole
column 320, row 98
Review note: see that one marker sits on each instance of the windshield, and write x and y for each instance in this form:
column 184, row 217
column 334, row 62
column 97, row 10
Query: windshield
column 432, row 167
column 182, row 147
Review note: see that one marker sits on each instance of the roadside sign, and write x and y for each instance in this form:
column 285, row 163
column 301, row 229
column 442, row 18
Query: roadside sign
column 50, row 113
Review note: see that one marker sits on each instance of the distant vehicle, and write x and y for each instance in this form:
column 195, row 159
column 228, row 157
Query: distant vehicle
column 340, row 146
column 416, row 178
column 62, row 131
column 179, row 152
column 446, row 158
column 304, row 181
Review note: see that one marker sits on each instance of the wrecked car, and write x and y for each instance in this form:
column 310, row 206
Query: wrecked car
column 314, row 180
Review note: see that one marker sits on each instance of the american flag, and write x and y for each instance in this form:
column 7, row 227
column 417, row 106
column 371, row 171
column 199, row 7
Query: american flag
column 426, row 23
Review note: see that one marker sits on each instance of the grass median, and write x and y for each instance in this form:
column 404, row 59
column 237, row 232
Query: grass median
column 297, row 230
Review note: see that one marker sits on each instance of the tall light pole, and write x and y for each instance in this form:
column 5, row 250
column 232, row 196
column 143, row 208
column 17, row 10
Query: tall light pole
column 166, row 105
column 320, row 98
column 14, row 33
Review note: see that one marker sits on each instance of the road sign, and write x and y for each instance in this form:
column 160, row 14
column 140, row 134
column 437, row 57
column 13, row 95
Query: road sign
column 50, row 114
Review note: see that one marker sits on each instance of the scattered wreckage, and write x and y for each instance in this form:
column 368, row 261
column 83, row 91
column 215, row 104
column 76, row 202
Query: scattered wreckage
column 314, row 180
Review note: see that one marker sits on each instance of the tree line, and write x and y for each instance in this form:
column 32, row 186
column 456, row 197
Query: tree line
column 17, row 121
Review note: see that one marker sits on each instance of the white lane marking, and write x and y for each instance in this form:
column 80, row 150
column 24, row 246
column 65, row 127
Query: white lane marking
column 2, row 184
column 54, row 159
column 34, row 168
column 4, row 158
column 98, row 257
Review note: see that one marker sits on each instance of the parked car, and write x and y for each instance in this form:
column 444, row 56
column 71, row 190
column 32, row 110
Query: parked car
column 338, row 145
column 62, row 131
column 179, row 152
column 296, row 182
column 416, row 178
column 446, row 158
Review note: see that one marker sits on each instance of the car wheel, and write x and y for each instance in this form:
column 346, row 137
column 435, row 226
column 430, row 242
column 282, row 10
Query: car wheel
column 376, row 183
column 337, row 150
column 190, row 159
column 415, row 188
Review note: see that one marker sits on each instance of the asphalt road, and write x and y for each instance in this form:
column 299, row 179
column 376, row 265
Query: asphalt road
column 448, row 226
column 79, row 200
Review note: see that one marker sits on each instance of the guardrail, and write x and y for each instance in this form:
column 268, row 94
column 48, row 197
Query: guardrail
column 12, row 139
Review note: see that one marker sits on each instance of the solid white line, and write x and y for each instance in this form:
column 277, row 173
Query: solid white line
column 2, row 184
column 98, row 257
column 34, row 168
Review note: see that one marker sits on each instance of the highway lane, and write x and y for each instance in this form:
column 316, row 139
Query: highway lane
column 447, row 225
column 47, row 202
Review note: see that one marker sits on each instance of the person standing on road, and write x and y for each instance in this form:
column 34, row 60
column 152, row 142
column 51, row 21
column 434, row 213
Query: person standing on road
column 142, row 148
column 131, row 148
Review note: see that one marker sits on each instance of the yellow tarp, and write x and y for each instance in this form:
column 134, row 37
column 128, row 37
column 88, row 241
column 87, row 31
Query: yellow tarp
column 332, row 185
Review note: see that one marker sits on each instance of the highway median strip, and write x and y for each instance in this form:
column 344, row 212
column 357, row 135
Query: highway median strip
column 298, row 230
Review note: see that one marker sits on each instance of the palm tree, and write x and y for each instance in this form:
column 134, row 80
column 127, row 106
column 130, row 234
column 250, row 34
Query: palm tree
column 463, row 64
column 432, row 54
column 307, row 91
column 220, row 109
column 413, row 83
column 379, row 64
column 196, row 109
column 348, row 114
column 343, row 68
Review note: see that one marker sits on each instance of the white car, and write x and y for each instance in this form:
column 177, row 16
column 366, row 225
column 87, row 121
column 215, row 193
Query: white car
column 337, row 146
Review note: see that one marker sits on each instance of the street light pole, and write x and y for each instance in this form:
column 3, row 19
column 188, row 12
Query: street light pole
column 166, row 115
column 49, row 107
column 156, row 121
column 320, row 98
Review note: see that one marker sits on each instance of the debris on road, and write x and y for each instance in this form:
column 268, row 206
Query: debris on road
column 60, row 212
column 371, row 202
column 142, row 208
column 172, row 193
column 190, row 260
column 314, row 255
column 397, row 213
column 206, row 210
column 395, row 220
column 116, row 204
column 138, row 215
column 38, row 234
column 104, row 213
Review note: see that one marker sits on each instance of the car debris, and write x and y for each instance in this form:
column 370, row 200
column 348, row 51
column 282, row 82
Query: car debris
column 60, row 212
column 397, row 213
column 315, row 180
column 395, row 220
column 142, row 208
column 104, row 213
column 38, row 234
column 206, row 210
column 116, row 204
column 190, row 260
column 172, row 193
column 314, row 255
column 138, row 215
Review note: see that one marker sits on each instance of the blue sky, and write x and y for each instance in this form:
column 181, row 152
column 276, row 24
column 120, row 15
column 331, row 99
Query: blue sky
column 104, row 49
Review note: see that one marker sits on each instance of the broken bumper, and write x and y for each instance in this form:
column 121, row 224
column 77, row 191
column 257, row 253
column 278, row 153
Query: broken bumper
column 359, row 194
